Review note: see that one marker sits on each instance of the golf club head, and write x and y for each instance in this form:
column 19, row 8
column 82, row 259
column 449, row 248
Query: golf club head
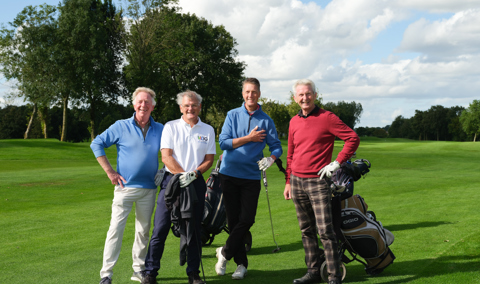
column 275, row 250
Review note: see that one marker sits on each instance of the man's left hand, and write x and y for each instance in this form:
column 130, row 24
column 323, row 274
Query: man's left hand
column 265, row 163
column 186, row 178
column 328, row 170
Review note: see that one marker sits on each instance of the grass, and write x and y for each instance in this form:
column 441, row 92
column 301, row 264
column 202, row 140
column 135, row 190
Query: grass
column 55, row 205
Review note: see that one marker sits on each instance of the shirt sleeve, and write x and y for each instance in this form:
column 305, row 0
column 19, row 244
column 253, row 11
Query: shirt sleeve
column 108, row 138
column 166, row 142
column 225, row 139
column 342, row 131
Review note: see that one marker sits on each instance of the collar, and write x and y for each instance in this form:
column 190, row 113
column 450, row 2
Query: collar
column 134, row 121
column 251, row 112
column 315, row 110
column 188, row 124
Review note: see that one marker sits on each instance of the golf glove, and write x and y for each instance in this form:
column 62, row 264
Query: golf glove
column 159, row 176
column 328, row 170
column 265, row 163
column 186, row 178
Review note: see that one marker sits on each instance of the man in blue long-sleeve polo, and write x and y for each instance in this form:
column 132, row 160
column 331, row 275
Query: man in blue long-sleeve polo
column 245, row 133
column 138, row 141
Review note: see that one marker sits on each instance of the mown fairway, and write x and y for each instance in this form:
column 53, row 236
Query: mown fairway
column 55, row 210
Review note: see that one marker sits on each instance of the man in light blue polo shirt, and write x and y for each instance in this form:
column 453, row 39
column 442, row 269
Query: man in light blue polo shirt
column 138, row 141
column 188, row 148
column 245, row 133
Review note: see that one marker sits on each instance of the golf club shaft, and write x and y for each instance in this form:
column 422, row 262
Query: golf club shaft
column 264, row 176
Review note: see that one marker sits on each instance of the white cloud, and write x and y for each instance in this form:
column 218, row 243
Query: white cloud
column 438, row 6
column 284, row 40
column 445, row 39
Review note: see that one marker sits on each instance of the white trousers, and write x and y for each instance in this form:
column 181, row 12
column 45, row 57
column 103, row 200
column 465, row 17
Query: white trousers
column 123, row 200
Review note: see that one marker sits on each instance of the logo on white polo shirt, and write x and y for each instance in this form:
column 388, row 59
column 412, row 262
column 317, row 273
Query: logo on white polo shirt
column 202, row 139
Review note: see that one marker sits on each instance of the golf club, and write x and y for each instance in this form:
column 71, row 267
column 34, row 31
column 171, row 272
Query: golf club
column 264, row 176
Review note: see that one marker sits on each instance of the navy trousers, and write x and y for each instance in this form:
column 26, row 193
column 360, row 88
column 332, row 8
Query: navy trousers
column 161, row 229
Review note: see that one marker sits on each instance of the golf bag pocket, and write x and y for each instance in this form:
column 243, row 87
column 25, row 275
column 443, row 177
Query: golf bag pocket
column 377, row 265
column 367, row 240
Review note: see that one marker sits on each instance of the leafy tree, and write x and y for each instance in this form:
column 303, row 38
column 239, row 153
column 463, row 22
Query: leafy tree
column 279, row 114
column 436, row 119
column 27, row 56
column 455, row 130
column 171, row 52
column 419, row 125
column 470, row 119
column 13, row 120
column 92, row 37
column 349, row 113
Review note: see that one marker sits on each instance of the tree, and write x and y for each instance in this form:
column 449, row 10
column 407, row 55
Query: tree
column 92, row 39
column 419, row 125
column 455, row 130
column 436, row 119
column 171, row 52
column 470, row 119
column 279, row 114
column 349, row 113
column 27, row 56
column 13, row 120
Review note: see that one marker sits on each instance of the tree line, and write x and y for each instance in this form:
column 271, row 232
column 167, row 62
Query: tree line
column 87, row 54
column 76, row 64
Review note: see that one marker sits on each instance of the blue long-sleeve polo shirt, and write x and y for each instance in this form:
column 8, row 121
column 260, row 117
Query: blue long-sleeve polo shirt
column 137, row 158
column 241, row 162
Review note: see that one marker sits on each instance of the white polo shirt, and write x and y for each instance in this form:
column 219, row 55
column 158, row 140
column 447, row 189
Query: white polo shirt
column 189, row 144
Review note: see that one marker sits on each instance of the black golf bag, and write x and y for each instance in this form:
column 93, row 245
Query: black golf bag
column 214, row 215
column 361, row 233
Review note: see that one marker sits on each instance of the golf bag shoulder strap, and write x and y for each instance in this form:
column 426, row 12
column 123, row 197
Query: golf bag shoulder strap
column 278, row 161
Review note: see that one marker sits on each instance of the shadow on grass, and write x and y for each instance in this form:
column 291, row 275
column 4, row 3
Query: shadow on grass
column 422, row 269
column 267, row 250
column 253, row 276
column 403, row 227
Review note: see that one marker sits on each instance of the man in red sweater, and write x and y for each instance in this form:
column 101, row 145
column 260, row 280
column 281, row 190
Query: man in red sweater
column 311, row 138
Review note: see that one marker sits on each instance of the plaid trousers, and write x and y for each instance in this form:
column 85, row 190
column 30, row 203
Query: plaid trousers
column 312, row 199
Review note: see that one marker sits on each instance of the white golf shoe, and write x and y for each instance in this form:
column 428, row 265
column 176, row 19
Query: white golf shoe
column 221, row 265
column 240, row 272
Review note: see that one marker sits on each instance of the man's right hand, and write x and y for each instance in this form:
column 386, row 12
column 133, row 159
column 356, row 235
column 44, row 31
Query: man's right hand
column 257, row 136
column 116, row 179
column 287, row 192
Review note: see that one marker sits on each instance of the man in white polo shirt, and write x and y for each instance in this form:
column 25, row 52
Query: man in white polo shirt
column 188, row 148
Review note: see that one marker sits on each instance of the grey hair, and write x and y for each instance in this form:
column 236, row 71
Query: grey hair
column 189, row 94
column 306, row 82
column 146, row 90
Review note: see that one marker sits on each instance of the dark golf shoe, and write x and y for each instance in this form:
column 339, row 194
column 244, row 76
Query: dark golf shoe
column 308, row 278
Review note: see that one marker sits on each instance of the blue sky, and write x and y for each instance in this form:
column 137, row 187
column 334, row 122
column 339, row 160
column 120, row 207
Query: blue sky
column 393, row 57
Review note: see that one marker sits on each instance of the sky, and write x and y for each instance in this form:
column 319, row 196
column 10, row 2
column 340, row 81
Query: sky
column 392, row 56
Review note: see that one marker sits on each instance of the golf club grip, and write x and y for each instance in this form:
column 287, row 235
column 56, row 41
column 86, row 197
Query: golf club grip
column 264, row 177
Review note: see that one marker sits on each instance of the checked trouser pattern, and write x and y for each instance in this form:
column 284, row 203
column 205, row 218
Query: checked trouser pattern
column 312, row 199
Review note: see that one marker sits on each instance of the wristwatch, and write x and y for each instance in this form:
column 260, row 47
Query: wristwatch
column 199, row 173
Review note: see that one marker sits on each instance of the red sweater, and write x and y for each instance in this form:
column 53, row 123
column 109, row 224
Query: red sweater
column 311, row 140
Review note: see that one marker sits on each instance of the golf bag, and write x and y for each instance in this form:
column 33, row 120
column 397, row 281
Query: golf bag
column 365, row 235
column 214, row 215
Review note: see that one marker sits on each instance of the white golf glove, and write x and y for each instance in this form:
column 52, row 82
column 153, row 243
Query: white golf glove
column 159, row 176
column 265, row 163
column 328, row 170
column 186, row 178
